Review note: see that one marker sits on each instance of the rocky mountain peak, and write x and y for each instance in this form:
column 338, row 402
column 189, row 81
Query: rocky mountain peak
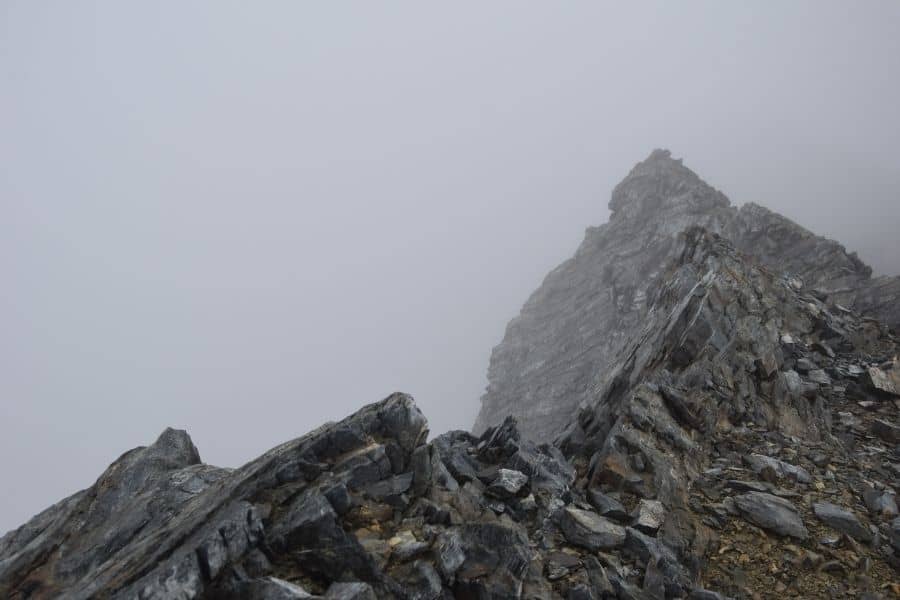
column 661, row 183
column 175, row 447
column 570, row 331
column 699, row 404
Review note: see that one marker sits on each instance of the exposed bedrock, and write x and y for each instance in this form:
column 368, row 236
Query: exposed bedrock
column 723, row 426
column 573, row 327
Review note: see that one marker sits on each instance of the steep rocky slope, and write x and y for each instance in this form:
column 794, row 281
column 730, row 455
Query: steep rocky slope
column 745, row 441
column 588, row 309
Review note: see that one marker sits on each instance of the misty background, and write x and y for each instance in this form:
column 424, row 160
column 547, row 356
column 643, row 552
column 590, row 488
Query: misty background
column 245, row 220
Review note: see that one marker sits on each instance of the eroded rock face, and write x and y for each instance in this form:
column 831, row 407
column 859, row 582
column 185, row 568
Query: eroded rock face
column 571, row 330
column 706, row 412
column 159, row 525
column 738, row 414
column 363, row 508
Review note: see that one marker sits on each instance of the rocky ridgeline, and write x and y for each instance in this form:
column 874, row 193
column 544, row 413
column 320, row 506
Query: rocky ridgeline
column 574, row 327
column 741, row 441
column 746, row 441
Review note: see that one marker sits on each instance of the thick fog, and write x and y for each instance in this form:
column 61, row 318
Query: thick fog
column 246, row 219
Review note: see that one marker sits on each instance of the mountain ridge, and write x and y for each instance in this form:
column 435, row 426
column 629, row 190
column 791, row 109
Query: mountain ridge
column 741, row 440
column 595, row 300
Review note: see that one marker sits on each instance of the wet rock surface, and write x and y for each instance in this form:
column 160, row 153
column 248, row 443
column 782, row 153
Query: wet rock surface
column 738, row 442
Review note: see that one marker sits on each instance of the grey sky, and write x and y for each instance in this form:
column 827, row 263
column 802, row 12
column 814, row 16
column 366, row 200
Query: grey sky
column 243, row 219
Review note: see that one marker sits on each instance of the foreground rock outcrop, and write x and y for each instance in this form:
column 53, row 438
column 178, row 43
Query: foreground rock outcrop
column 572, row 329
column 741, row 441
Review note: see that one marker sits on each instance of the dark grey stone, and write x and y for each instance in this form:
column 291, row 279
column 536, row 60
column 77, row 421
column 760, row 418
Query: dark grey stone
column 350, row 591
column 886, row 430
column 842, row 520
column 607, row 506
column 507, row 484
column 881, row 503
column 771, row 513
column 589, row 530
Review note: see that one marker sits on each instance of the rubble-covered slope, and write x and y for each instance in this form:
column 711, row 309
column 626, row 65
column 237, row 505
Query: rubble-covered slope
column 588, row 309
column 744, row 441
column 764, row 418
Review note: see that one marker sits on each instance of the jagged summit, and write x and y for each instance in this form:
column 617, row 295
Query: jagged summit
column 555, row 352
column 174, row 446
column 660, row 181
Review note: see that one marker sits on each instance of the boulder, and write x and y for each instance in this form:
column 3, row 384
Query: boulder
column 883, row 382
column 649, row 516
column 894, row 534
column 483, row 560
column 886, row 430
column 419, row 580
column 881, row 503
column 758, row 462
column 771, row 513
column 589, row 530
column 607, row 506
column 507, row 484
column 843, row 520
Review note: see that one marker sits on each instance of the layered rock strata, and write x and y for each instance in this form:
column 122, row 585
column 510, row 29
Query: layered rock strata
column 572, row 328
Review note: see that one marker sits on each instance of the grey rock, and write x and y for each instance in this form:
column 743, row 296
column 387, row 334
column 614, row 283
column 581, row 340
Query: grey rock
column 421, row 470
column 440, row 474
column 662, row 354
column 771, row 513
column 894, row 534
column 628, row 591
column 747, row 486
column 420, row 581
column 495, row 559
column 547, row 364
column 649, row 516
column 607, row 506
column 449, row 554
column 546, row 467
column 758, row 462
column 270, row 588
column 161, row 525
column 884, row 382
column 339, row 498
column 350, row 591
column 804, row 365
column 589, row 530
column 559, row 564
column 842, row 520
column 819, row 376
column 881, row 503
column 580, row 592
column 405, row 546
column 706, row 595
column 453, row 450
column 649, row 550
column 886, row 430
column 389, row 488
column 508, row 483
column 312, row 527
